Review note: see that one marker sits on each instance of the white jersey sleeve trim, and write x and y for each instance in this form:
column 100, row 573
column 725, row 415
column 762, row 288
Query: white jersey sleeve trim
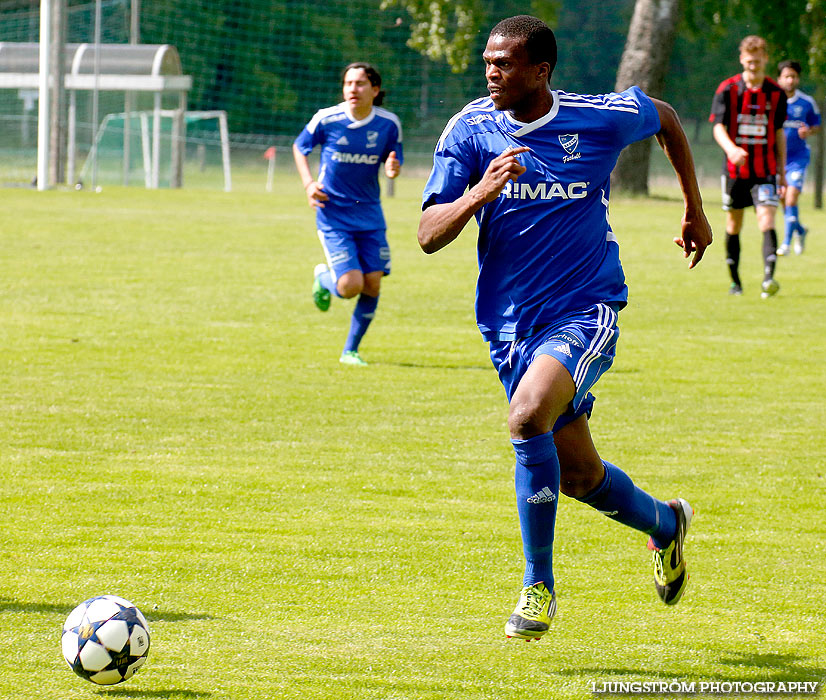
column 614, row 102
column 811, row 100
column 483, row 104
column 321, row 115
column 387, row 114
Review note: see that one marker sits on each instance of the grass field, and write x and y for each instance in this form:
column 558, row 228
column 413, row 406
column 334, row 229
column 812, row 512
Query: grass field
column 175, row 428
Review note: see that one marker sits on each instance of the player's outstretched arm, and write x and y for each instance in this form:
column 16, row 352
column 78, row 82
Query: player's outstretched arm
column 695, row 235
column 442, row 223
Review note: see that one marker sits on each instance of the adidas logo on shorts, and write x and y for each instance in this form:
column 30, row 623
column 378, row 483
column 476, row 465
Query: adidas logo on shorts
column 565, row 349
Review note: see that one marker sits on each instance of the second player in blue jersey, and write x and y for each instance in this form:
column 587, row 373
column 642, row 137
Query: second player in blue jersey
column 802, row 121
column 356, row 137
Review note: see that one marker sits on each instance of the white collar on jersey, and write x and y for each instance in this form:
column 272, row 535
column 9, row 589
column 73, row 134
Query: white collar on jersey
column 533, row 126
column 354, row 124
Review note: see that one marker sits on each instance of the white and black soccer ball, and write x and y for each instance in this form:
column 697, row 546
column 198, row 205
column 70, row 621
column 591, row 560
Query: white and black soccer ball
column 105, row 639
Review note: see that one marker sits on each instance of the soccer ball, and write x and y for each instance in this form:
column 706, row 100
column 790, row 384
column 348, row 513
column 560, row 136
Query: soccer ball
column 105, row 639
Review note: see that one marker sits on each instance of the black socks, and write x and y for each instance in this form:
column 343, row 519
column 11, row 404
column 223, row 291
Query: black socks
column 769, row 253
column 733, row 257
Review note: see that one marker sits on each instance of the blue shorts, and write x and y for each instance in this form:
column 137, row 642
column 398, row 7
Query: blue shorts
column 584, row 342
column 795, row 175
column 366, row 251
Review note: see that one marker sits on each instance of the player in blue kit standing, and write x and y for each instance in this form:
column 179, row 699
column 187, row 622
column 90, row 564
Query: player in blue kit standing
column 533, row 166
column 356, row 137
column 802, row 121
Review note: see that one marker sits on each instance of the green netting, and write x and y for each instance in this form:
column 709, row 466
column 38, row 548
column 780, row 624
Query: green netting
column 271, row 64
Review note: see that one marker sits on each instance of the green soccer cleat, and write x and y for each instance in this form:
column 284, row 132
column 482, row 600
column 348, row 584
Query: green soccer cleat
column 735, row 290
column 321, row 296
column 351, row 357
column 670, row 574
column 533, row 614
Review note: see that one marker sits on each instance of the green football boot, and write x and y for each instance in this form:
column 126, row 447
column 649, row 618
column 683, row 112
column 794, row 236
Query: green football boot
column 351, row 357
column 321, row 296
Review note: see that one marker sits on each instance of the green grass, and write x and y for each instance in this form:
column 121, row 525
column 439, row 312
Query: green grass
column 175, row 428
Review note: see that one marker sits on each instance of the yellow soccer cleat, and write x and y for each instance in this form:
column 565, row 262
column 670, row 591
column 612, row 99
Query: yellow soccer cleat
column 670, row 575
column 533, row 614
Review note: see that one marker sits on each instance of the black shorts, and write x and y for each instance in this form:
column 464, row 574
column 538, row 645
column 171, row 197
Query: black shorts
column 756, row 191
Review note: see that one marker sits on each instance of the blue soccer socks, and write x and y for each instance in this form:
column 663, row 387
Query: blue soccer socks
column 791, row 215
column 363, row 314
column 537, row 493
column 793, row 227
column 618, row 498
column 325, row 279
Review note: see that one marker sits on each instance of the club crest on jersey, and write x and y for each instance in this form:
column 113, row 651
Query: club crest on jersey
column 372, row 137
column 570, row 142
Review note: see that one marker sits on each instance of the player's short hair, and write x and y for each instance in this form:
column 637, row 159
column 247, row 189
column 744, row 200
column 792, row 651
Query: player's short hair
column 537, row 37
column 754, row 44
column 788, row 63
column 372, row 75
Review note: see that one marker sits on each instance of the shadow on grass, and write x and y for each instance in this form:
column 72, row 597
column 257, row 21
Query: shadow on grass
column 170, row 616
column 16, row 606
column 776, row 667
column 420, row 365
column 744, row 666
column 169, row 694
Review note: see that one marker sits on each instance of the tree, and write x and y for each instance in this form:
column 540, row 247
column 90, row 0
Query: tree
column 442, row 30
column 447, row 29
column 798, row 23
column 644, row 63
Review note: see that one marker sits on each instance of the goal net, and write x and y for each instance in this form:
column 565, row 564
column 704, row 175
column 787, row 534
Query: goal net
column 157, row 148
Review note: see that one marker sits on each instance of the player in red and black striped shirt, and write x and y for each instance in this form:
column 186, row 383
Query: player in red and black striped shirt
column 748, row 112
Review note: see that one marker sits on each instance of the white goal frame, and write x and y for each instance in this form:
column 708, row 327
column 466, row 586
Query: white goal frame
column 151, row 144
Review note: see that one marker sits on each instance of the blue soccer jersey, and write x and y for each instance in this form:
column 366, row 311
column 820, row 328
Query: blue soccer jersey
column 351, row 153
column 801, row 110
column 545, row 246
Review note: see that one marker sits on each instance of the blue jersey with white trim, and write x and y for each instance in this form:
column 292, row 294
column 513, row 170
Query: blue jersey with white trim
column 351, row 153
column 801, row 110
column 545, row 246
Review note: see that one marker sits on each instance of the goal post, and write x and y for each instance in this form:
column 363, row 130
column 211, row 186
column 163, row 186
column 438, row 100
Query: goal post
column 162, row 138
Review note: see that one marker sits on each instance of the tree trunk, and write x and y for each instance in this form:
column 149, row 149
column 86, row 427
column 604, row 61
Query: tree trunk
column 644, row 63
column 820, row 152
